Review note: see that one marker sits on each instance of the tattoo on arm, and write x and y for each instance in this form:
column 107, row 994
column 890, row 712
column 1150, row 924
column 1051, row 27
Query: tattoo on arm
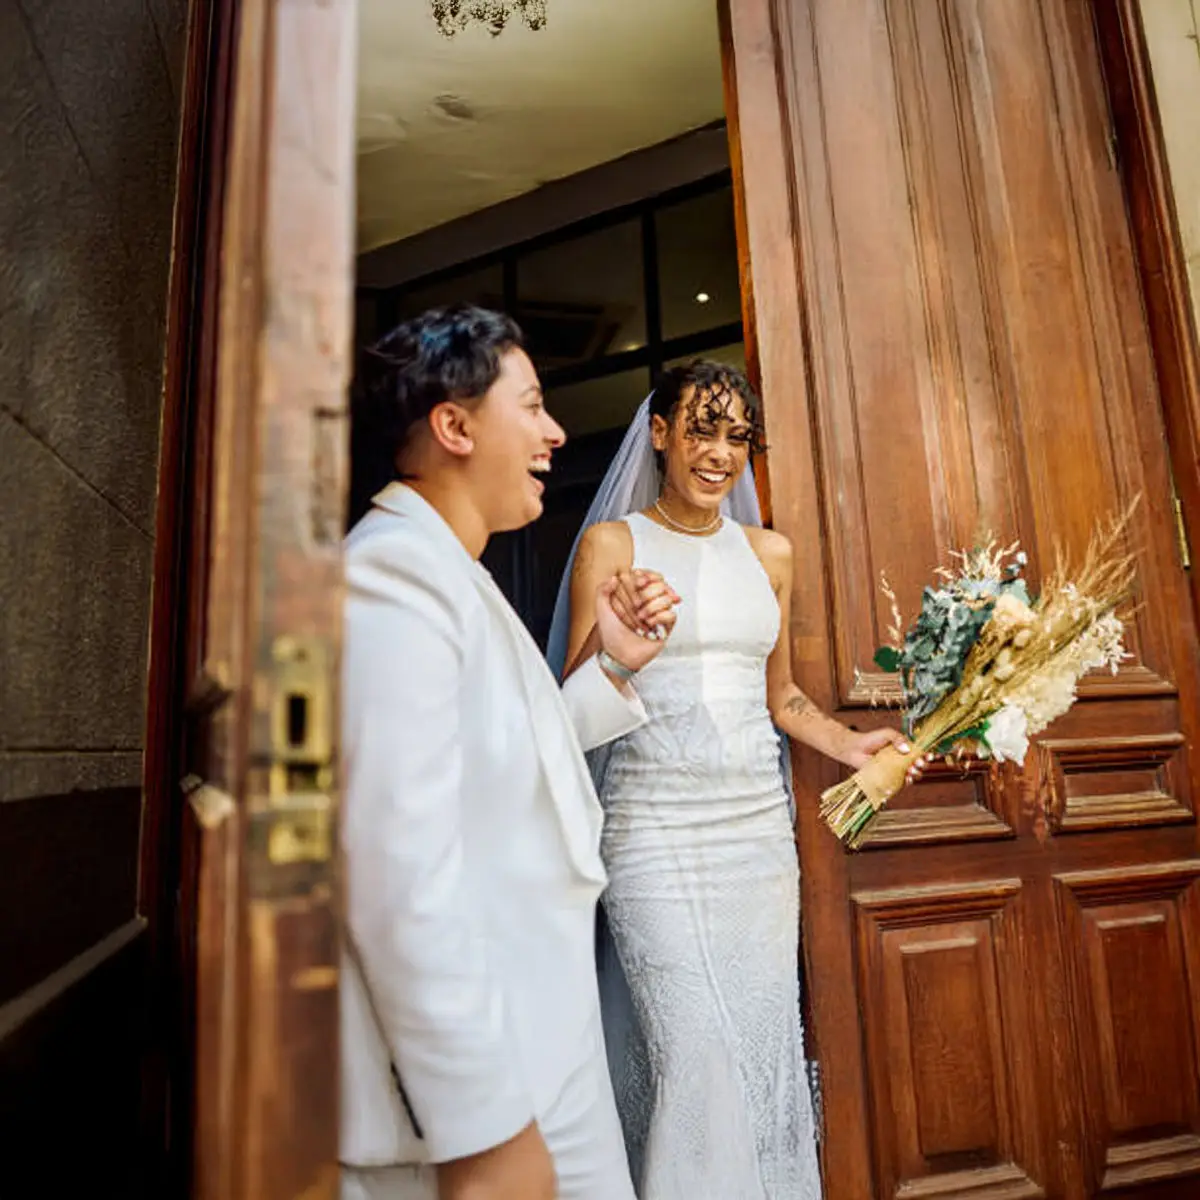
column 801, row 706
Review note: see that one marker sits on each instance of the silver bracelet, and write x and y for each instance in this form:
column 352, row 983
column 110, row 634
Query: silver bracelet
column 612, row 667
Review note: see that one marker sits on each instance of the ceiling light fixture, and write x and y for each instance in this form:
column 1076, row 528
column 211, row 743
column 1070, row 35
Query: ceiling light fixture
column 702, row 297
column 453, row 16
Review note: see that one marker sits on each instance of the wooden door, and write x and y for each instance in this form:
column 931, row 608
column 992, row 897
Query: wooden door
column 266, row 312
column 946, row 318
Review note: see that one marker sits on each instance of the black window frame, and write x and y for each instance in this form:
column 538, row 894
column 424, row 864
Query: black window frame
column 650, row 356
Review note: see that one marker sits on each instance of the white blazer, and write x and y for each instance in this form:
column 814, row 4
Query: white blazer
column 470, row 834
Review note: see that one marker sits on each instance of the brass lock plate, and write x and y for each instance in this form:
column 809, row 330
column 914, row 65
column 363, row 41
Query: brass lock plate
column 293, row 825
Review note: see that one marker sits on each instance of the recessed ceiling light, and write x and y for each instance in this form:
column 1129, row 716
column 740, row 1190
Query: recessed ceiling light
column 457, row 108
column 702, row 297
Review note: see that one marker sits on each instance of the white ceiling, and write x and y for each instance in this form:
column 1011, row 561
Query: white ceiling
column 447, row 126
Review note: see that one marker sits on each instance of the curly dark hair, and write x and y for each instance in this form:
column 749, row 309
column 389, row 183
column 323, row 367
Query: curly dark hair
column 450, row 353
column 716, row 386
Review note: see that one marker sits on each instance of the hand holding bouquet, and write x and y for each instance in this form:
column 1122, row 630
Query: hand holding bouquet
column 985, row 666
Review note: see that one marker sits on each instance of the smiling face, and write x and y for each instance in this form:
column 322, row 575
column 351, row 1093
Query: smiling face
column 513, row 438
column 705, row 445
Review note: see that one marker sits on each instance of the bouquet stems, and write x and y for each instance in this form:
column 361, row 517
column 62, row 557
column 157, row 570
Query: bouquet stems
column 849, row 807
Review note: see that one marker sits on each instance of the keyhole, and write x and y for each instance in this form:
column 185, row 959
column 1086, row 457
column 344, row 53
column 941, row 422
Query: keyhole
column 297, row 720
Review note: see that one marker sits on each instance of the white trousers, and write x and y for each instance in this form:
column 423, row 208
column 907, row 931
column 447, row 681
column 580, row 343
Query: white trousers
column 581, row 1129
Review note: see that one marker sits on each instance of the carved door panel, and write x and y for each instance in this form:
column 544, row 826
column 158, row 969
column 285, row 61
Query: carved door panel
column 945, row 315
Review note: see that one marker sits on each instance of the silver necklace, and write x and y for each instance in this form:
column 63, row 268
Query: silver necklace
column 662, row 512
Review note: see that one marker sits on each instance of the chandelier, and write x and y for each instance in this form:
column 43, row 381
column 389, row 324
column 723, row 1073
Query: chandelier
column 453, row 16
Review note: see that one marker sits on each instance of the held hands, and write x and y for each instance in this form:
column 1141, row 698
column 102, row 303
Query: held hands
column 859, row 747
column 635, row 613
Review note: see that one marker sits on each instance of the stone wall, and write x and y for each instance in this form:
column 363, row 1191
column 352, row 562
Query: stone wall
column 89, row 105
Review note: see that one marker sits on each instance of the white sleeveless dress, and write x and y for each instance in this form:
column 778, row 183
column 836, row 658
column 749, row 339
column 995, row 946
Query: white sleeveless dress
column 703, row 899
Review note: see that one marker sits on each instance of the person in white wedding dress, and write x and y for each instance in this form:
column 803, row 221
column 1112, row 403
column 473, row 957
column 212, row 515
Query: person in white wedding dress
column 703, row 896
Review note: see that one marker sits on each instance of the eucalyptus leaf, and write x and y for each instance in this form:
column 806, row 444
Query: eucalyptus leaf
column 887, row 658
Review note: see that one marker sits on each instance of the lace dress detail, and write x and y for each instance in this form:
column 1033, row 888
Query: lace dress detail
column 703, row 900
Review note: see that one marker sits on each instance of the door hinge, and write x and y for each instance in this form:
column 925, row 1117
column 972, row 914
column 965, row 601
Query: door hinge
column 1181, row 533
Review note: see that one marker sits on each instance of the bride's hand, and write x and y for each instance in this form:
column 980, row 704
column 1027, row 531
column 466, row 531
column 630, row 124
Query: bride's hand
column 861, row 747
column 635, row 613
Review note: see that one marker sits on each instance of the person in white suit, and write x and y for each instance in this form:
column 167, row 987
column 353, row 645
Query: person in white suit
column 473, row 1064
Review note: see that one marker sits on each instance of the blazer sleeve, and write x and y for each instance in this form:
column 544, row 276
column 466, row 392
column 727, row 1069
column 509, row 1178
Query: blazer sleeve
column 412, row 912
column 598, row 711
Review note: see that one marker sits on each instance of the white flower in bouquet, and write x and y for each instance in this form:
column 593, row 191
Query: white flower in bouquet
column 1007, row 735
column 1102, row 645
column 1012, row 613
column 1044, row 698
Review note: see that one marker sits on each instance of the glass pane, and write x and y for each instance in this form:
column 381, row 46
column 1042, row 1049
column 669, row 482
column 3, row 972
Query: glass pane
column 483, row 287
column 366, row 318
column 597, row 404
column 697, row 264
column 584, row 298
column 733, row 355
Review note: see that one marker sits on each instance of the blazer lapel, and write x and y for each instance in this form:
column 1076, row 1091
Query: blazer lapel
column 564, row 766
column 572, row 794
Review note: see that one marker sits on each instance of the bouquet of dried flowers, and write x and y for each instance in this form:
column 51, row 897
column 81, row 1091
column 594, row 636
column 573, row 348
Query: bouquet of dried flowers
column 986, row 666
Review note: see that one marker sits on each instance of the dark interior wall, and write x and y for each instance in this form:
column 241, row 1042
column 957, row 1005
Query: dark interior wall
column 89, row 113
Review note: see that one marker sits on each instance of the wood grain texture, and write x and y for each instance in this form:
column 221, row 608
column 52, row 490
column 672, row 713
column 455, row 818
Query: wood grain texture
column 263, row 512
column 949, row 321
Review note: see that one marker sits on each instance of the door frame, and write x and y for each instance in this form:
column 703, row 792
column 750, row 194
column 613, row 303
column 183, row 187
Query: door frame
column 184, row 444
column 258, row 331
column 1158, row 248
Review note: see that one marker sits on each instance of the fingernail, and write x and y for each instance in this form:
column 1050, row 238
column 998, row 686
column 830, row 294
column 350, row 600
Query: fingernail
column 905, row 748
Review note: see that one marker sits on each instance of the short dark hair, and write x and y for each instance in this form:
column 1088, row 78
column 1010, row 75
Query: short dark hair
column 709, row 378
column 451, row 353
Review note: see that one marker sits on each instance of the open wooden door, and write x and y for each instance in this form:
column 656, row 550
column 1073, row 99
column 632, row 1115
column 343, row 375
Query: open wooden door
column 267, row 336
column 946, row 316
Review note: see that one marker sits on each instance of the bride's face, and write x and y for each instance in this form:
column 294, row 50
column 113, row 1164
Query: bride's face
column 705, row 445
